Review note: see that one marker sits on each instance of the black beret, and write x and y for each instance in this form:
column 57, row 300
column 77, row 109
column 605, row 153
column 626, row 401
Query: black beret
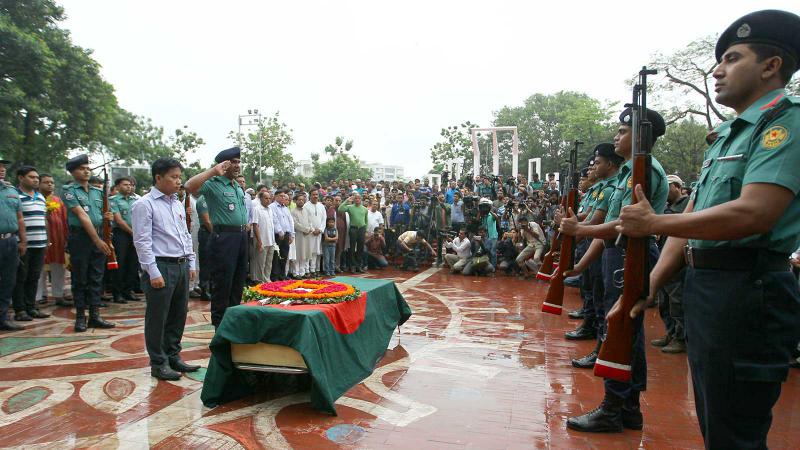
column 228, row 154
column 607, row 151
column 4, row 161
column 659, row 127
column 770, row 26
column 584, row 172
column 76, row 162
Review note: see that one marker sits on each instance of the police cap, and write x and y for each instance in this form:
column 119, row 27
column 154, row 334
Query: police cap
column 655, row 119
column 228, row 154
column 770, row 26
column 4, row 161
column 74, row 163
column 607, row 151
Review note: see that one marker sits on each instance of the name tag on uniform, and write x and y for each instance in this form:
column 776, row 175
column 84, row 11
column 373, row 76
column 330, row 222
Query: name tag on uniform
column 228, row 194
column 706, row 163
column 730, row 158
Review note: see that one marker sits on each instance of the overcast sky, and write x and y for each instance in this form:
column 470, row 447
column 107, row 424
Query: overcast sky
column 387, row 75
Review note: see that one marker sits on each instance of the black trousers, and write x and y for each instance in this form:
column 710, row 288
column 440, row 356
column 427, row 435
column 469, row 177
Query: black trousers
column 165, row 313
column 126, row 277
column 228, row 271
column 88, row 266
column 741, row 328
column 202, row 256
column 356, row 251
column 279, row 264
column 8, row 273
column 28, row 272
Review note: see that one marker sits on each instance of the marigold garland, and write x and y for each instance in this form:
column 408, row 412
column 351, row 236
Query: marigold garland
column 311, row 292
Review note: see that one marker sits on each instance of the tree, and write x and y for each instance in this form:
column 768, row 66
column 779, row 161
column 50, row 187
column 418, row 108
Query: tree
column 456, row 142
column 549, row 124
column 340, row 165
column 681, row 149
column 266, row 148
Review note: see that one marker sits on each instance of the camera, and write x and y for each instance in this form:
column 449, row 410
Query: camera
column 448, row 234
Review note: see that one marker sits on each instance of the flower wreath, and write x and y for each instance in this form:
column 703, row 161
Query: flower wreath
column 311, row 292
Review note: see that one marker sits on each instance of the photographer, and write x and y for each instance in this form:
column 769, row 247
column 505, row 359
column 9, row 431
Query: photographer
column 489, row 221
column 463, row 248
column 534, row 239
column 457, row 211
column 479, row 263
column 409, row 244
column 507, row 250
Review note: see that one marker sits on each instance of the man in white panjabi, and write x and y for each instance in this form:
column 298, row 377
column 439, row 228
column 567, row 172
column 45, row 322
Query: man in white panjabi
column 314, row 213
column 302, row 234
column 263, row 239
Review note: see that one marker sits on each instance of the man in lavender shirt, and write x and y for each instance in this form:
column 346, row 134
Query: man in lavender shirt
column 164, row 246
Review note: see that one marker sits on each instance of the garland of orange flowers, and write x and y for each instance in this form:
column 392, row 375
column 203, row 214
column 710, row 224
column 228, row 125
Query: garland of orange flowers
column 301, row 291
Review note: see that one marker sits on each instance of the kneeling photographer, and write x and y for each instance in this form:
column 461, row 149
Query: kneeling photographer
column 412, row 246
column 463, row 248
column 479, row 263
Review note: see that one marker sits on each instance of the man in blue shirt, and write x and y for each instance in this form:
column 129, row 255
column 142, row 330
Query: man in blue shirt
column 165, row 253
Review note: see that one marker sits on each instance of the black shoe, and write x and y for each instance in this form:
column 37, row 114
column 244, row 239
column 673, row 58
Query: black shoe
column 103, row 305
column 586, row 362
column 794, row 363
column 606, row 418
column 22, row 317
column 8, row 326
column 577, row 314
column 165, row 373
column 675, row 346
column 119, row 300
column 63, row 302
column 582, row 333
column 129, row 296
column 181, row 366
column 105, row 297
column 36, row 314
column 41, row 301
column 80, row 320
column 95, row 321
column 662, row 341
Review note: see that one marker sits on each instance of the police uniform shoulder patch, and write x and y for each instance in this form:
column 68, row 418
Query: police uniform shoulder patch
column 69, row 196
column 594, row 194
column 774, row 137
column 602, row 194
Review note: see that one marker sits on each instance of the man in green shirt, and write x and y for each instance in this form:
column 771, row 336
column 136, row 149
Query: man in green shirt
column 125, row 279
column 358, row 228
column 13, row 242
column 741, row 301
column 87, row 250
column 620, row 407
column 228, row 241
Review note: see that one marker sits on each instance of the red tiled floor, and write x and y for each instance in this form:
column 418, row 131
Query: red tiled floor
column 477, row 367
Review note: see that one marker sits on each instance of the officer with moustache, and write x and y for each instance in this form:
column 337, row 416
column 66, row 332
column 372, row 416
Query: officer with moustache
column 228, row 242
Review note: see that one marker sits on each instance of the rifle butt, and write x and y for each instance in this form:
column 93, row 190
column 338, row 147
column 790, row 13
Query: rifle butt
column 554, row 301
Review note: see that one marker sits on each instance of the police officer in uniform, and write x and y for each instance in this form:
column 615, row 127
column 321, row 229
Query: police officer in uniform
column 126, row 277
column 87, row 250
column 203, row 234
column 620, row 407
column 13, row 244
column 741, row 302
column 228, row 242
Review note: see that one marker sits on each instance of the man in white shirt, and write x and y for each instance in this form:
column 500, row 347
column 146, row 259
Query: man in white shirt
column 314, row 213
column 531, row 255
column 263, row 239
column 463, row 250
column 374, row 217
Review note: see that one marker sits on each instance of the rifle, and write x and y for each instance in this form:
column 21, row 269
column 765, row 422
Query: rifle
column 548, row 266
column 554, row 300
column 614, row 360
column 187, row 204
column 111, row 262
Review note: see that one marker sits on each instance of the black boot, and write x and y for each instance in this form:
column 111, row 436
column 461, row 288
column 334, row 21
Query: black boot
column 117, row 299
column 577, row 314
column 606, row 418
column 632, row 418
column 584, row 332
column 95, row 321
column 587, row 362
column 80, row 320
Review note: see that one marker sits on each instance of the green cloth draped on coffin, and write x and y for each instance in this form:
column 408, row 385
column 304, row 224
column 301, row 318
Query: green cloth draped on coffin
column 336, row 362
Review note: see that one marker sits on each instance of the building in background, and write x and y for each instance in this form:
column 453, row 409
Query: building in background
column 385, row 172
column 304, row 168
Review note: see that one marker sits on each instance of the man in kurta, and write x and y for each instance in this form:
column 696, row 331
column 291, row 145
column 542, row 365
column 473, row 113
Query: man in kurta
column 303, row 236
column 315, row 214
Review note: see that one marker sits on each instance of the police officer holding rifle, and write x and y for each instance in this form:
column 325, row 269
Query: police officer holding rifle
column 742, row 304
column 620, row 407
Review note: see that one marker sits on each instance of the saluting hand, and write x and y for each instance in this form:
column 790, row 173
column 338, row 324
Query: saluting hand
column 635, row 220
column 569, row 224
column 221, row 168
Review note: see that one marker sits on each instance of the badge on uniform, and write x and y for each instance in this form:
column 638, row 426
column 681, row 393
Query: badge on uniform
column 86, row 208
column 600, row 197
column 69, row 196
column 774, row 137
column 231, row 206
column 706, row 163
column 630, row 183
column 594, row 194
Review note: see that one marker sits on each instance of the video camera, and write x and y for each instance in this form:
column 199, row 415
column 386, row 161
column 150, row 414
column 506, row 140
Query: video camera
column 448, row 234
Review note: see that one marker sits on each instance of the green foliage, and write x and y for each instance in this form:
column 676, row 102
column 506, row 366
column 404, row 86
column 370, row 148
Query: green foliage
column 266, row 148
column 549, row 124
column 681, row 149
column 340, row 165
column 456, row 142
